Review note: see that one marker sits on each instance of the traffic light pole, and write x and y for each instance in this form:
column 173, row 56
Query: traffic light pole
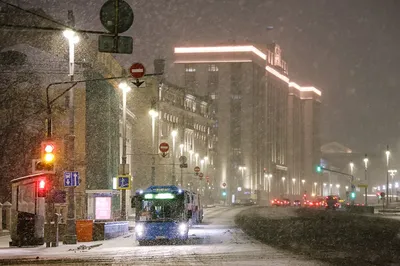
column 338, row 172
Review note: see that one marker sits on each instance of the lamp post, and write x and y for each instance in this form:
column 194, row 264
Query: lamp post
column 174, row 133
column 196, row 156
column 125, row 89
column 153, row 114
column 181, row 148
column 294, row 183
column 315, row 188
column 70, row 237
column 387, row 175
column 366, row 178
column 283, row 185
column 324, row 184
column 190, row 156
column 392, row 173
column 330, row 188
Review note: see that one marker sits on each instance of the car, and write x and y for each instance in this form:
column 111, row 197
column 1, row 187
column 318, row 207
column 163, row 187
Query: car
column 297, row 203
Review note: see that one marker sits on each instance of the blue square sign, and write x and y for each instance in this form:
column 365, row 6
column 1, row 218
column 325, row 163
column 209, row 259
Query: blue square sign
column 124, row 182
column 71, row 179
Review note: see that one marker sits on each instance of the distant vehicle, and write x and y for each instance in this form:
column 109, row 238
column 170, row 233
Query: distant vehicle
column 297, row 203
column 249, row 202
column 332, row 202
column 165, row 213
column 280, row 202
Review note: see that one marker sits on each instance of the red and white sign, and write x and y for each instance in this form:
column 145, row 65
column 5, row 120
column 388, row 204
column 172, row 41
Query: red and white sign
column 164, row 147
column 224, row 184
column 197, row 169
column 201, row 175
column 201, row 178
column 137, row 70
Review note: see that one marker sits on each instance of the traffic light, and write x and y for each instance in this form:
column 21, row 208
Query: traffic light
column 382, row 194
column 48, row 155
column 318, row 169
column 224, row 193
column 42, row 188
column 46, row 164
column 353, row 195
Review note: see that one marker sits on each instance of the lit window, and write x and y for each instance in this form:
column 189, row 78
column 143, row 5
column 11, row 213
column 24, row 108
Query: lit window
column 212, row 68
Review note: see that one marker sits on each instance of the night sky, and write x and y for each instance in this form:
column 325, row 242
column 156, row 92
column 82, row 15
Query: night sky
column 348, row 49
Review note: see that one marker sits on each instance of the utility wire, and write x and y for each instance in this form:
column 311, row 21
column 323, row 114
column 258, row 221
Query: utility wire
column 38, row 15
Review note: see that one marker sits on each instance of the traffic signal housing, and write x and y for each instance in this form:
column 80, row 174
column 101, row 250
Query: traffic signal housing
column 223, row 193
column 48, row 152
column 318, row 169
column 353, row 195
column 42, row 188
column 46, row 164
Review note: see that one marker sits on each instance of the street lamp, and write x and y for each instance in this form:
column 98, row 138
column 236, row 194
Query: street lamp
column 365, row 168
column 315, row 188
column 294, row 182
column 153, row 114
column 351, row 167
column 70, row 237
column 125, row 89
column 324, row 184
column 181, row 147
column 387, row 175
column 347, row 188
column 330, row 188
column 174, row 133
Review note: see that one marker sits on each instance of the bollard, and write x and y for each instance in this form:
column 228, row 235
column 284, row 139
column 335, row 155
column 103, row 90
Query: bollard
column 55, row 237
column 1, row 217
column 7, row 207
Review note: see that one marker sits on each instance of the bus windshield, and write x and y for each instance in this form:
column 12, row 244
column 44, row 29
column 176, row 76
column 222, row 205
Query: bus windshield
column 160, row 209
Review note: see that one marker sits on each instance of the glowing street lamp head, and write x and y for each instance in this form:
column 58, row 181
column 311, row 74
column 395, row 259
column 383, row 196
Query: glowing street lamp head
column 124, row 87
column 303, row 181
column 181, row 146
column 71, row 35
column 337, row 185
column 174, row 133
column 205, row 158
column 153, row 113
column 294, row 180
column 196, row 155
column 283, row 178
column 315, row 183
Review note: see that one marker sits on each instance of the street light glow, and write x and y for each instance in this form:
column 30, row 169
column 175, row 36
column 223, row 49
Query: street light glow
column 153, row 113
column 337, row 185
column 71, row 36
column 124, row 87
column 294, row 180
column 174, row 133
column 283, row 178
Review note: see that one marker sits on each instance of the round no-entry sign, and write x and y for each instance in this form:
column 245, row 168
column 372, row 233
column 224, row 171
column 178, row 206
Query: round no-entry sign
column 164, row 147
column 137, row 70
column 224, row 184
column 201, row 175
column 197, row 169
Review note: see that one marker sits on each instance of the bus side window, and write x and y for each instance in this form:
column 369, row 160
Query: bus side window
column 133, row 202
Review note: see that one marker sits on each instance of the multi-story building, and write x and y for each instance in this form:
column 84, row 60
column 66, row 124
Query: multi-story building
column 166, row 113
column 267, row 126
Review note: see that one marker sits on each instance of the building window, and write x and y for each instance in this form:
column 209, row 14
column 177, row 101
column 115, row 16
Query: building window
column 212, row 77
column 190, row 76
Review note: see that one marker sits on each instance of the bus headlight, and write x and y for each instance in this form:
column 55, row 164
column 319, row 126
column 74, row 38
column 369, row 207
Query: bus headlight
column 182, row 228
column 139, row 229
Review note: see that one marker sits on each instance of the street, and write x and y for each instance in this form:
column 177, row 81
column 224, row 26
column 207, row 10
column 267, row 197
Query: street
column 215, row 242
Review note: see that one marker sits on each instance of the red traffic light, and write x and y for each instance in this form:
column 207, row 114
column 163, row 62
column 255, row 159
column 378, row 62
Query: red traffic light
column 42, row 189
column 42, row 184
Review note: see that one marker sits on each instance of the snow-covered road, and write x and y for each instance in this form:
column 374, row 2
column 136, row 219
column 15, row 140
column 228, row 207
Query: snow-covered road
column 216, row 242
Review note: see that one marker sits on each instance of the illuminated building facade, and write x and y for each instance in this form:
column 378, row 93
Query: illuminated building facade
column 267, row 126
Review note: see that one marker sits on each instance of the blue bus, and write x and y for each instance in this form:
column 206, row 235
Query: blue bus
column 164, row 213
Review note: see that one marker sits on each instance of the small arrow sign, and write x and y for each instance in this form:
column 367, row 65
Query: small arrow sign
column 137, row 83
